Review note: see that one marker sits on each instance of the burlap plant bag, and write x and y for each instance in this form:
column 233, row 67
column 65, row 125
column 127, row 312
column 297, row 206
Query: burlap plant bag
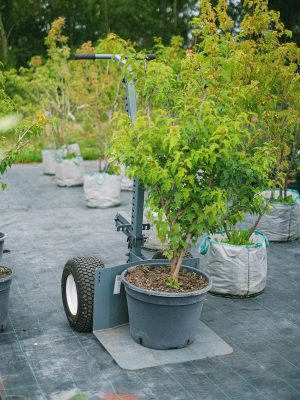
column 102, row 190
column 235, row 270
column 282, row 222
column 69, row 172
column 49, row 162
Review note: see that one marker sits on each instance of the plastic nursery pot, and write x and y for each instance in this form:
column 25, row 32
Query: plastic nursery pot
column 164, row 320
column 2, row 237
column 6, row 275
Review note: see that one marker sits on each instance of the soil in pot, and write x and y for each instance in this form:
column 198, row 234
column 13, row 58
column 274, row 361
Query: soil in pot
column 5, row 281
column 155, row 278
column 2, row 237
column 4, row 272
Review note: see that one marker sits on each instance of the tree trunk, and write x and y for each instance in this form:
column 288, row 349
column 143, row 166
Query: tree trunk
column 4, row 41
column 175, row 271
column 175, row 4
column 163, row 11
column 106, row 20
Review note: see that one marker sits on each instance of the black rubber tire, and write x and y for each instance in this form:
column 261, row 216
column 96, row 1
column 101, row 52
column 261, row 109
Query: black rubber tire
column 159, row 255
column 83, row 271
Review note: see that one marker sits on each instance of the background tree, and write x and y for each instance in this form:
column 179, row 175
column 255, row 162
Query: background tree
column 23, row 24
column 15, row 135
column 289, row 13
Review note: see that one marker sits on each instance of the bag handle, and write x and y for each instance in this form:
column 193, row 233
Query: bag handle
column 204, row 246
column 264, row 236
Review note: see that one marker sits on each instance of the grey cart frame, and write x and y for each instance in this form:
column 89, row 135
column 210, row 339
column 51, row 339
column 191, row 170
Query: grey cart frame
column 110, row 305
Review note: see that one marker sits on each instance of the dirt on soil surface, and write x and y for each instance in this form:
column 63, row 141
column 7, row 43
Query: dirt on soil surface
column 4, row 272
column 155, row 278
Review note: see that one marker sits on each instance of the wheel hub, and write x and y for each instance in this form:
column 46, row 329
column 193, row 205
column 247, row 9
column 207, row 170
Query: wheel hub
column 71, row 294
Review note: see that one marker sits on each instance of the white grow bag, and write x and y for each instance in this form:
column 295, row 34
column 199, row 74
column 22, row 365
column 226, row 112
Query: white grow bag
column 282, row 222
column 235, row 270
column 66, row 149
column 127, row 183
column 49, row 162
column 69, row 172
column 152, row 242
column 102, row 190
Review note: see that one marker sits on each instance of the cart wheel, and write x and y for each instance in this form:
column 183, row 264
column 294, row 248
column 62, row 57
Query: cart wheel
column 159, row 255
column 77, row 289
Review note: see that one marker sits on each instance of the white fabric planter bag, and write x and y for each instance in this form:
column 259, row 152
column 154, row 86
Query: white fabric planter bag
column 49, row 162
column 282, row 222
column 102, row 190
column 66, row 149
column 126, row 184
column 235, row 270
column 69, row 172
column 152, row 242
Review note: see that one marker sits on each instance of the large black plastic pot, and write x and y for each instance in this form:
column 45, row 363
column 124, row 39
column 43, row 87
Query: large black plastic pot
column 164, row 320
column 2, row 237
column 4, row 295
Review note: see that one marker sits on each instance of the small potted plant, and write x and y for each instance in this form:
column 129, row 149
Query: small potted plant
column 6, row 160
column 6, row 275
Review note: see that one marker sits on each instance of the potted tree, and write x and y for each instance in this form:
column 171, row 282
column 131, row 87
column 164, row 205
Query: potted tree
column 186, row 150
column 196, row 152
column 273, row 95
column 235, row 258
column 282, row 220
column 104, row 96
column 278, row 115
column 49, row 88
column 158, row 296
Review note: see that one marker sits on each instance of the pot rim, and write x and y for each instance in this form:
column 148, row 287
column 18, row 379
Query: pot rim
column 6, row 278
column 168, row 294
column 2, row 236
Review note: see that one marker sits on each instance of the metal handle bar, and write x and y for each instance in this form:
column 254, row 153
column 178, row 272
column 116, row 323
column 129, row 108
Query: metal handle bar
column 106, row 56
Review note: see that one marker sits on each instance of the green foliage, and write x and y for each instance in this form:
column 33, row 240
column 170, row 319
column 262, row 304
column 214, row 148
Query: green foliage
column 89, row 20
column 15, row 135
column 288, row 199
column 205, row 143
column 173, row 283
column 21, row 135
column 70, row 156
column 238, row 238
column 78, row 98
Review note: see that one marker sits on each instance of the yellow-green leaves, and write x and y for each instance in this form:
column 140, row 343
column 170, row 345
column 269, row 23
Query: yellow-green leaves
column 220, row 127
